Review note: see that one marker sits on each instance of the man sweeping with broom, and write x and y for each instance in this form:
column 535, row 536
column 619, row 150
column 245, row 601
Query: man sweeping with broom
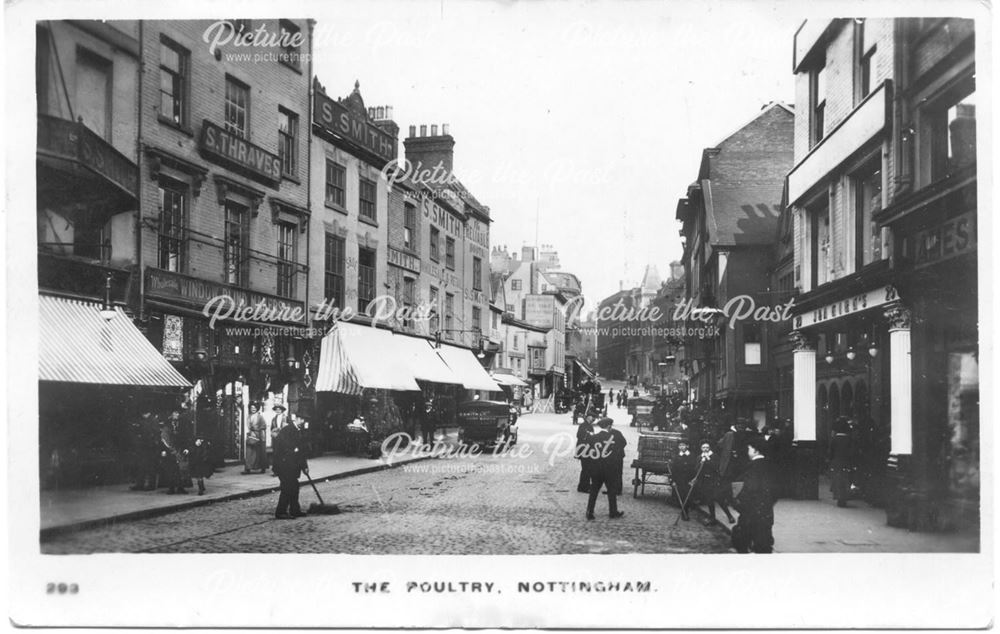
column 289, row 462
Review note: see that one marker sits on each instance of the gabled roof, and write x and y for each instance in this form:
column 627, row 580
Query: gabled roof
column 742, row 179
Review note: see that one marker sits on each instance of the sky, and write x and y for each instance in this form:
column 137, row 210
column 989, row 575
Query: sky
column 587, row 116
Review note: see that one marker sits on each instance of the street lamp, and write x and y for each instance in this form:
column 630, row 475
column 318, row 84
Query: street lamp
column 107, row 308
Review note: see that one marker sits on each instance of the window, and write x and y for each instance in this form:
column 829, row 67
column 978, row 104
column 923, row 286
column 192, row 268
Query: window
column 174, row 72
column 93, row 92
column 817, row 104
column 336, row 179
column 951, row 124
column 409, row 299
column 477, row 274
column 477, row 319
column 509, row 308
column 449, row 253
column 237, row 236
column 435, row 320
column 435, row 244
column 494, row 320
column 537, row 358
column 449, row 314
column 237, row 107
column 286, row 260
column 366, row 278
column 864, row 42
column 173, row 221
column 366, row 198
column 821, row 254
column 515, row 285
column 751, row 343
column 868, row 201
column 288, row 144
column 290, row 39
column 409, row 226
column 333, row 283
column 517, row 342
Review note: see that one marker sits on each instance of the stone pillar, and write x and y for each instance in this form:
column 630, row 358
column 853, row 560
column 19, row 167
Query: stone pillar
column 901, row 502
column 805, row 475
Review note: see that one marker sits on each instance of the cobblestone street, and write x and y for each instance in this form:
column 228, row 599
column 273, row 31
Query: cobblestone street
column 470, row 505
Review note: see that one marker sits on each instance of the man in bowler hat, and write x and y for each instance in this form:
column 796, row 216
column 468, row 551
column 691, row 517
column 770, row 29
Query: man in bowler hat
column 607, row 448
column 583, row 433
column 289, row 462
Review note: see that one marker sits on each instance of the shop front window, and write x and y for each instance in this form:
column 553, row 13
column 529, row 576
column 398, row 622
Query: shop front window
column 963, row 424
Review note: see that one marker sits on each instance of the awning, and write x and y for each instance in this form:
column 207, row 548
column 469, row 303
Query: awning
column 425, row 363
column 467, row 368
column 77, row 345
column 354, row 357
column 583, row 368
column 508, row 379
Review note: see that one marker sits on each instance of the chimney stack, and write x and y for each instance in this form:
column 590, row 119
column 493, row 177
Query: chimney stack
column 431, row 150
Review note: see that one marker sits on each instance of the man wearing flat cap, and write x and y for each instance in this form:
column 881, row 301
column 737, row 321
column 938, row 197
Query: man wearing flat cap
column 607, row 447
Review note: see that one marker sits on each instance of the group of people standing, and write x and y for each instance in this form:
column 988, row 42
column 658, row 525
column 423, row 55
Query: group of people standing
column 601, row 452
column 165, row 452
column 261, row 434
column 620, row 398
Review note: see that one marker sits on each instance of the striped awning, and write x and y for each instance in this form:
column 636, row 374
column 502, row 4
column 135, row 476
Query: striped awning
column 77, row 345
column 583, row 368
column 354, row 357
column 425, row 363
column 508, row 379
column 464, row 364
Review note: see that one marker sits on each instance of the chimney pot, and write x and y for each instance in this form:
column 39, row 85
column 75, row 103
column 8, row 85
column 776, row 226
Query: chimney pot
column 444, row 129
column 413, row 131
column 423, row 130
column 434, row 129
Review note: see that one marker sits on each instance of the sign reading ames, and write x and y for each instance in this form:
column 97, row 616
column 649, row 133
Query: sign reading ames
column 949, row 239
column 403, row 260
column 231, row 149
column 339, row 121
column 847, row 306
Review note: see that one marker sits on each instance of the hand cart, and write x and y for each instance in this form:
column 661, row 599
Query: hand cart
column 652, row 466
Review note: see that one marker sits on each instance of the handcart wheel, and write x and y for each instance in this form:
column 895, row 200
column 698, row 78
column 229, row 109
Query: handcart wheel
column 635, row 483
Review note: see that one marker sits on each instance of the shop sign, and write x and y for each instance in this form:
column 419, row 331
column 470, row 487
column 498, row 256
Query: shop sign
column 538, row 310
column 404, row 260
column 229, row 148
column 356, row 129
column 847, row 306
column 197, row 293
column 955, row 237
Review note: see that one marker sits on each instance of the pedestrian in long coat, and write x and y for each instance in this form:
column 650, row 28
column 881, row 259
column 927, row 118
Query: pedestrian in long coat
column 583, row 433
column 256, row 457
column 145, row 455
column 753, row 531
column 289, row 463
column 170, row 472
column 608, row 450
column 278, row 421
column 201, row 463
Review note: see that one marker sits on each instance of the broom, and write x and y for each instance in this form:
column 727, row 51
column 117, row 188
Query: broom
column 320, row 508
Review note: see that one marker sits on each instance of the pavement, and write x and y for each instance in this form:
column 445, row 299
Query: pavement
column 477, row 488
column 66, row 510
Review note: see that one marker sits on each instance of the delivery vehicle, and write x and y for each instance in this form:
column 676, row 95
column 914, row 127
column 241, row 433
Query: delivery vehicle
column 487, row 423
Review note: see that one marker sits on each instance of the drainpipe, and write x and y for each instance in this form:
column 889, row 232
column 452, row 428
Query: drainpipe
column 138, row 181
column 308, row 129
